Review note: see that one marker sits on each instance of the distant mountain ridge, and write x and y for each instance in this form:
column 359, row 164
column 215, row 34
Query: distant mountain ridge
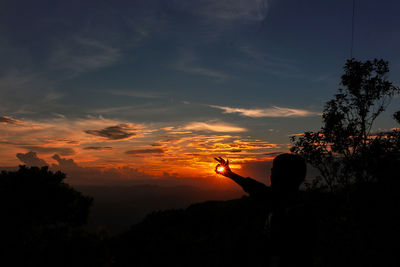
column 116, row 208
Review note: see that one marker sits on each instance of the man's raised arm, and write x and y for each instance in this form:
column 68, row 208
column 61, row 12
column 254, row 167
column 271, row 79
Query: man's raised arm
column 249, row 185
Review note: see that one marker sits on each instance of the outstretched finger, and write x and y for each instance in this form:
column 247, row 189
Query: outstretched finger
column 217, row 159
column 220, row 160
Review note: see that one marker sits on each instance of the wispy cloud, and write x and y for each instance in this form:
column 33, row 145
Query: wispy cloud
column 187, row 62
column 268, row 59
column 229, row 144
column 261, row 61
column 82, row 54
column 145, row 151
column 136, row 94
column 15, row 79
column 34, row 91
column 110, row 110
column 213, row 127
column 273, row 112
column 202, row 71
column 61, row 134
column 226, row 10
column 98, row 148
column 9, row 120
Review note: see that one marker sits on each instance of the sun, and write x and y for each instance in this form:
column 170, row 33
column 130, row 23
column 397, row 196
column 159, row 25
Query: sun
column 221, row 169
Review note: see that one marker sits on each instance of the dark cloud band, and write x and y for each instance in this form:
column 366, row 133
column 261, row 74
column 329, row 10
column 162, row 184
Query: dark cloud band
column 98, row 148
column 144, row 151
column 118, row 132
column 8, row 120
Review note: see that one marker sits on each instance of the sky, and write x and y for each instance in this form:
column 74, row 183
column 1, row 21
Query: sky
column 113, row 92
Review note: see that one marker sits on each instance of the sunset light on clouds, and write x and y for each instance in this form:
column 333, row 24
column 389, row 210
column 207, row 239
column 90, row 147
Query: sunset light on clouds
column 107, row 144
column 277, row 112
column 139, row 90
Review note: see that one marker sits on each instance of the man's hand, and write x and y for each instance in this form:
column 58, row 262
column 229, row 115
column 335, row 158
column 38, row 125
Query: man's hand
column 249, row 185
column 223, row 167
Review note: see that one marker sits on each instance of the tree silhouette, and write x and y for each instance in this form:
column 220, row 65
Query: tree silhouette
column 36, row 196
column 341, row 150
column 42, row 219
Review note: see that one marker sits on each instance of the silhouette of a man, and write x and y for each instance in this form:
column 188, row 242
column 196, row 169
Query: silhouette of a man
column 290, row 225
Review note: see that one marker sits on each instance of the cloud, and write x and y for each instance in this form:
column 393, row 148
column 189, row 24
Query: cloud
column 77, row 174
column 188, row 62
column 118, row 132
column 65, row 151
column 273, row 130
column 213, row 127
column 229, row 144
column 156, row 148
column 202, row 71
column 9, row 120
column 81, row 55
column 260, row 61
column 155, row 144
column 110, row 110
column 273, row 112
column 226, row 10
column 136, row 94
column 31, row 159
column 36, row 92
column 98, row 148
column 64, row 163
column 15, row 79
column 145, row 151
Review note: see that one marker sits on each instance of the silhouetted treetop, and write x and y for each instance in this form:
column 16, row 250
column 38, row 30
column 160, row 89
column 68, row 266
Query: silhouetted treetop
column 342, row 149
column 348, row 118
column 42, row 221
column 36, row 196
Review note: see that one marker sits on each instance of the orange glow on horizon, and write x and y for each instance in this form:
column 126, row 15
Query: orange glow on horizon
column 111, row 149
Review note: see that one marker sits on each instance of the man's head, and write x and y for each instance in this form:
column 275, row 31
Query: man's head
column 288, row 172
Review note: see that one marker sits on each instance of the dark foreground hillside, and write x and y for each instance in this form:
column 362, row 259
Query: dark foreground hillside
column 44, row 224
column 357, row 227
column 217, row 233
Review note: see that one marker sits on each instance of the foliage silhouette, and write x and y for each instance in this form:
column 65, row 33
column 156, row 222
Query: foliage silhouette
column 36, row 196
column 42, row 221
column 358, row 218
column 342, row 149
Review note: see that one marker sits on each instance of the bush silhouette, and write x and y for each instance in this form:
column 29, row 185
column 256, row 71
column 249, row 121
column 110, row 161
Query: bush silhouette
column 36, row 196
column 42, row 219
